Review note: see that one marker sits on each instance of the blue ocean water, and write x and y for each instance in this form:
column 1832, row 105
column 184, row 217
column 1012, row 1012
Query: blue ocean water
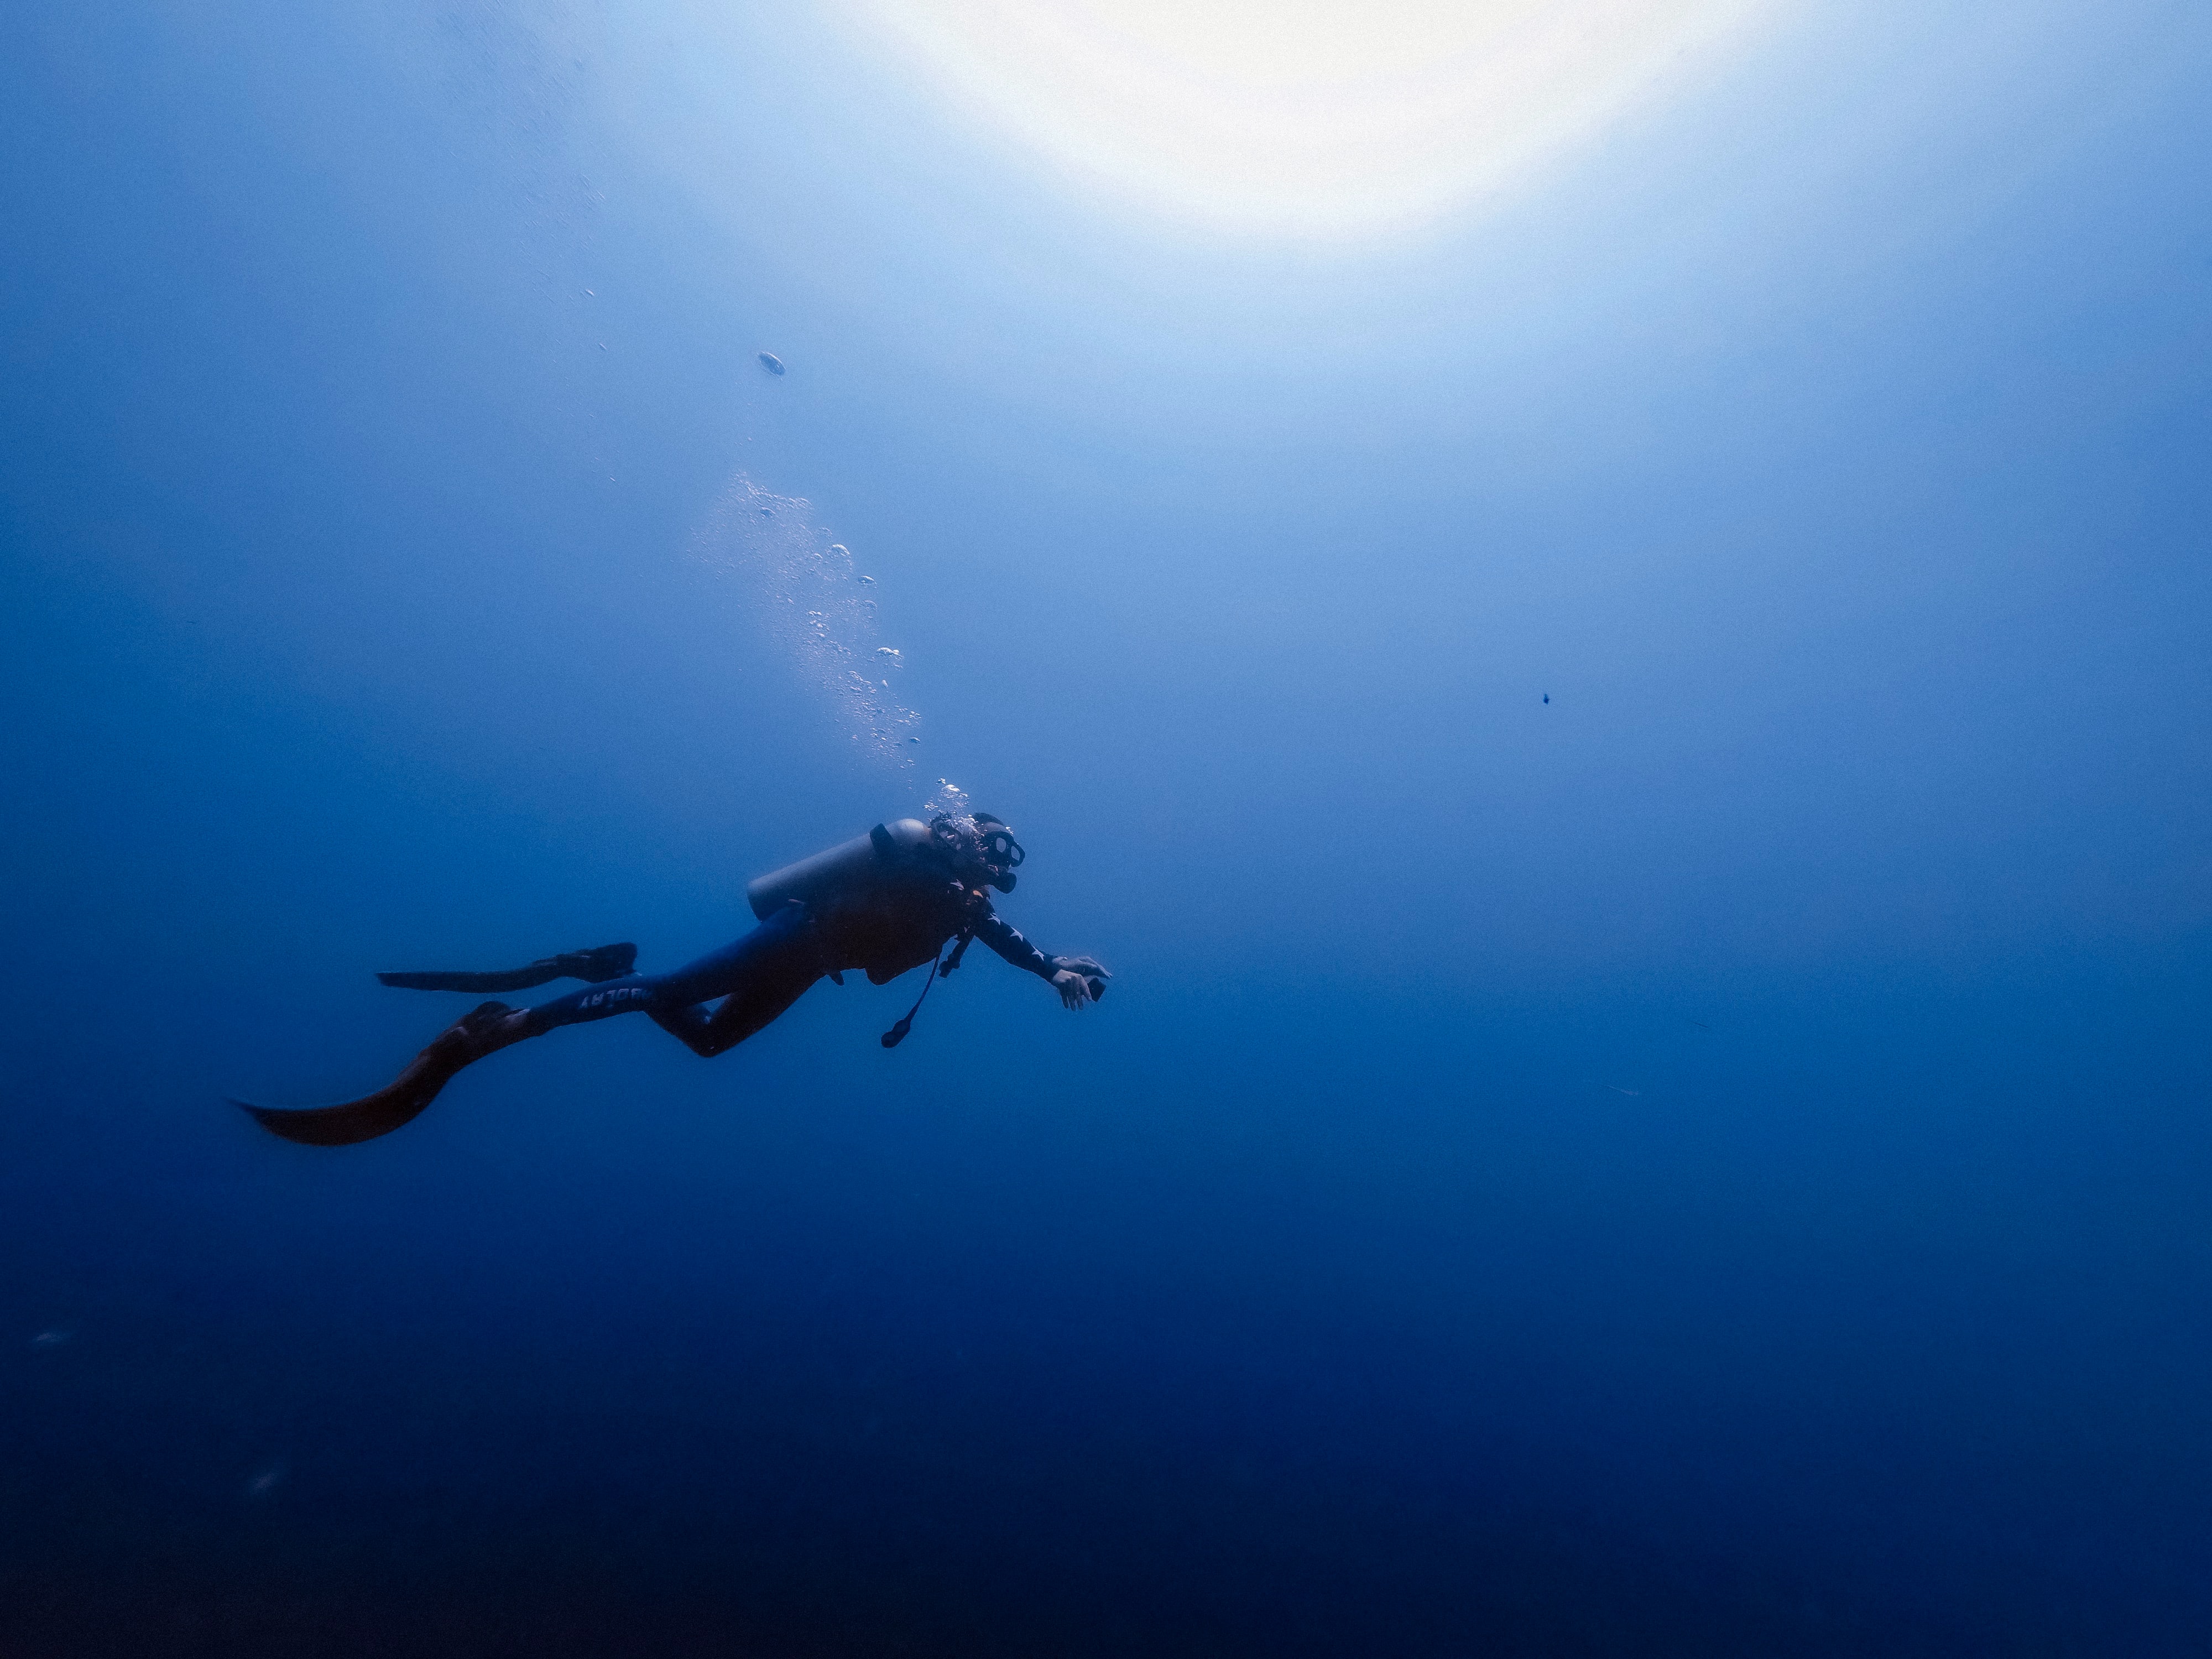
column 1639, row 757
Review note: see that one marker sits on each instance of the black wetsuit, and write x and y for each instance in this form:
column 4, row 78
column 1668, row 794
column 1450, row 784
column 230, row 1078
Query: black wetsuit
column 883, row 931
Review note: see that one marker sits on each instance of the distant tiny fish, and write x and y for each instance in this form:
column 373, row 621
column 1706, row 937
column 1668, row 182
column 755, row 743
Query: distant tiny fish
column 265, row 1482
column 870, row 580
column 1701, row 1025
column 771, row 362
column 1547, row 696
column 51, row 1339
column 1632, row 1093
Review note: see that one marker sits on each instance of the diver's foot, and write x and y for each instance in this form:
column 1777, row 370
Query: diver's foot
column 599, row 964
column 484, row 1019
column 485, row 1028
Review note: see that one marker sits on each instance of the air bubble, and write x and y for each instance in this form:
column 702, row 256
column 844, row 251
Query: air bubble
column 825, row 613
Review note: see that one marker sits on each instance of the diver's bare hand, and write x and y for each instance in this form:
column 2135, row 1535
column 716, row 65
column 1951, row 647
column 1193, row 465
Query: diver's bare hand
column 1074, row 989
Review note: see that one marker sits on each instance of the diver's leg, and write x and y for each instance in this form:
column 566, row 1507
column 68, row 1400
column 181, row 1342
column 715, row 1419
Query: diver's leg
column 775, row 985
column 626, row 996
column 762, row 974
column 759, row 977
column 688, row 1026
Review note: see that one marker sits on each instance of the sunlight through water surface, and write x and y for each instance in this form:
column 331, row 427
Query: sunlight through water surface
column 1315, row 119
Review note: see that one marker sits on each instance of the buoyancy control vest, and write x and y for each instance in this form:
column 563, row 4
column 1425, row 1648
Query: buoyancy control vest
column 889, row 898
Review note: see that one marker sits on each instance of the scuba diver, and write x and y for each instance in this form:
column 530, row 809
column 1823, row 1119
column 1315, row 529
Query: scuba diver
column 884, row 903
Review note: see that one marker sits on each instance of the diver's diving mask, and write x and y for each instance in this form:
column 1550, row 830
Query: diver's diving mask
column 999, row 851
column 981, row 846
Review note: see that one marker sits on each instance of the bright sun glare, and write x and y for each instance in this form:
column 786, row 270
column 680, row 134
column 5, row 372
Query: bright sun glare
column 1325, row 118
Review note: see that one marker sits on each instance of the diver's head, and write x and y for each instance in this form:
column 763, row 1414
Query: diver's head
column 981, row 848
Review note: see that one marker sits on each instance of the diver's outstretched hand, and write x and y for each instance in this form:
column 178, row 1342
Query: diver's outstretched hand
column 1079, row 981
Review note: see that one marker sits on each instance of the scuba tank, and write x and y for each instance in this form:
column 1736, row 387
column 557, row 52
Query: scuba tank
column 869, row 861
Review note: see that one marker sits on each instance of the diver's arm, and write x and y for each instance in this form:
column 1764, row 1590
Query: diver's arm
column 1077, row 979
column 1004, row 937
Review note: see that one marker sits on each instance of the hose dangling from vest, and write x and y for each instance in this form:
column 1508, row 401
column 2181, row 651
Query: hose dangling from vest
column 938, row 969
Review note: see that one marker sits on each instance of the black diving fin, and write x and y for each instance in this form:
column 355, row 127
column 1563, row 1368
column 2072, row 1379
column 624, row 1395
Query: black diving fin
column 593, row 967
column 475, row 1035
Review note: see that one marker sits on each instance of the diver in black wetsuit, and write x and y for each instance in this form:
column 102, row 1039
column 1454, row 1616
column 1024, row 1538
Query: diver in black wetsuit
column 884, row 903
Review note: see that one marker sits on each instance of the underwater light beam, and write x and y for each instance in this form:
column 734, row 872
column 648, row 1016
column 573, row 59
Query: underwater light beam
column 1314, row 119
